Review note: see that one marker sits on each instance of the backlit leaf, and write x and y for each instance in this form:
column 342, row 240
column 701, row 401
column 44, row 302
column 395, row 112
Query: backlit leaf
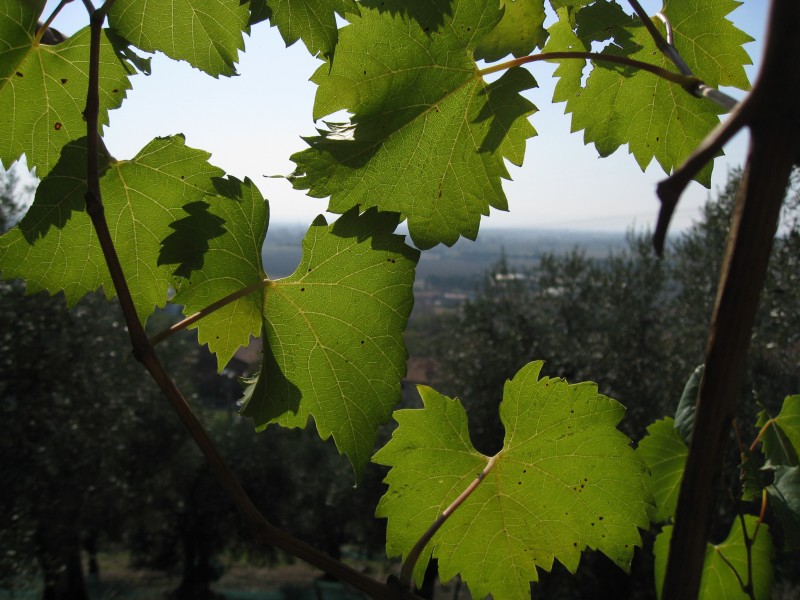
column 313, row 21
column 428, row 136
column 218, row 250
column 205, row 33
column 333, row 345
column 43, row 95
column 54, row 247
column 565, row 481
column 518, row 32
column 656, row 118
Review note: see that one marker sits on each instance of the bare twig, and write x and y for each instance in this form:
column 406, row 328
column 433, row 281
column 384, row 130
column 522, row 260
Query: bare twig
column 145, row 353
column 669, row 190
column 46, row 25
column 407, row 571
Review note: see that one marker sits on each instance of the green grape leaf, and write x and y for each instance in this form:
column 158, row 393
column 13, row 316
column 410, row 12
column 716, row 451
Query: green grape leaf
column 687, row 405
column 655, row 118
column 665, row 454
column 141, row 196
column 780, row 436
column 205, row 33
column 719, row 579
column 519, row 32
column 566, row 480
column 217, row 248
column 708, row 42
column 428, row 136
column 313, row 21
column 333, row 345
column 43, row 95
column 784, row 500
column 18, row 24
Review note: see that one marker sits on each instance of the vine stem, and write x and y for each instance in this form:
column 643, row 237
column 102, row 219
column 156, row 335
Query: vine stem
column 203, row 312
column 687, row 82
column 407, row 570
column 145, row 353
column 46, row 25
column 774, row 148
column 666, row 46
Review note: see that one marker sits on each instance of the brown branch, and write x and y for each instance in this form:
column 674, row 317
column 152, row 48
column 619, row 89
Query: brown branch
column 774, row 148
column 145, row 353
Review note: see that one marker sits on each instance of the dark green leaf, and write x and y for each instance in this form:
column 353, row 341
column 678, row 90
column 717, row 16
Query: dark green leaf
column 724, row 561
column 784, row 500
column 684, row 415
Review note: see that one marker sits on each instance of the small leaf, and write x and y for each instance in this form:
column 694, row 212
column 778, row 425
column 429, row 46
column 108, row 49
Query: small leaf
column 205, row 33
column 566, row 480
column 684, row 414
column 333, row 345
column 665, row 454
column 313, row 21
column 518, row 33
column 784, row 500
column 780, row 438
column 42, row 98
column 218, row 250
column 719, row 579
column 428, row 137
column 18, row 25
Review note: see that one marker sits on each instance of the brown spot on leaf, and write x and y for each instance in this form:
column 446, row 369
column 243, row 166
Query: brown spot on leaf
column 19, row 74
column 58, row 126
column 63, row 81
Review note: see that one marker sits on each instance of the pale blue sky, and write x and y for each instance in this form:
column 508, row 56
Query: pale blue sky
column 252, row 123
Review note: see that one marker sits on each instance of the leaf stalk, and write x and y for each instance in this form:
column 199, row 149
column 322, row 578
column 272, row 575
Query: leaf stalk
column 407, row 570
column 204, row 312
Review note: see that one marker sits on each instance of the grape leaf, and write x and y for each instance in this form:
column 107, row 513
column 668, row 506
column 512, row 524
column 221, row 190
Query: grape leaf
column 205, row 33
column 518, row 32
column 665, row 454
column 655, row 118
column 333, row 345
column 687, row 405
column 43, row 94
column 565, row 480
column 784, row 500
column 313, row 21
column 718, row 579
column 218, row 251
column 428, row 136
column 54, row 247
column 780, row 436
column 17, row 30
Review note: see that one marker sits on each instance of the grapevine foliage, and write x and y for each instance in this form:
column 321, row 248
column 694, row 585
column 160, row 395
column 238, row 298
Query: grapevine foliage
column 565, row 481
column 726, row 563
column 426, row 140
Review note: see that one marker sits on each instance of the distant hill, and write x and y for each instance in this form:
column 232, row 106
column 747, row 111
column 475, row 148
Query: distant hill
column 466, row 259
